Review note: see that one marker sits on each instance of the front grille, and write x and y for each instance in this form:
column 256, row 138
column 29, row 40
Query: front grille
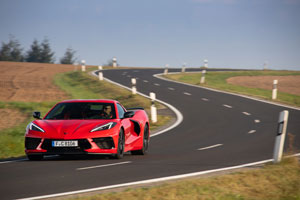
column 83, row 144
column 104, row 142
column 32, row 143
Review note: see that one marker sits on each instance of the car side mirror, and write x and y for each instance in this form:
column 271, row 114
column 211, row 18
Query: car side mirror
column 37, row 115
column 129, row 114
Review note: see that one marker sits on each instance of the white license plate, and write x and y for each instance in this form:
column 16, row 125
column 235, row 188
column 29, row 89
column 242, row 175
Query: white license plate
column 66, row 143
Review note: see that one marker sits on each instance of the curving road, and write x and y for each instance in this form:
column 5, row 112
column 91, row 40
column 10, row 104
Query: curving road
column 218, row 130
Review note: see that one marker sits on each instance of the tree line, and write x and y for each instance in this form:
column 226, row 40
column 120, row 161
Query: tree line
column 39, row 52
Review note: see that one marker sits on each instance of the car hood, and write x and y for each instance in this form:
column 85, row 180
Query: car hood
column 69, row 128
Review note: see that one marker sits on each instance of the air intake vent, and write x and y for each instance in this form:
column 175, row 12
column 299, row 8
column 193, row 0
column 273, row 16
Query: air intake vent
column 104, row 142
column 32, row 143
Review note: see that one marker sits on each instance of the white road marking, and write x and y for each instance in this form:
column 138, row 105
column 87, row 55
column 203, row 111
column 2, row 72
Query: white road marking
column 99, row 166
column 156, row 84
column 10, row 161
column 128, row 76
column 257, row 121
column 245, row 113
column 210, row 147
column 145, row 81
column 159, row 76
column 179, row 116
column 186, row 93
column 155, row 180
column 204, row 99
column 171, row 88
column 25, row 159
column 227, row 106
column 252, row 131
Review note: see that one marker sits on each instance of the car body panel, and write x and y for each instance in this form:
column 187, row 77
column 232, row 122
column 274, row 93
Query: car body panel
column 37, row 142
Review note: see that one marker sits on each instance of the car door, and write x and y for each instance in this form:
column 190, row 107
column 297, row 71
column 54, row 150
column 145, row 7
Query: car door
column 125, row 123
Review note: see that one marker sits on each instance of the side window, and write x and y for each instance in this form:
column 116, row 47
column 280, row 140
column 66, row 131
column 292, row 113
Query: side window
column 120, row 111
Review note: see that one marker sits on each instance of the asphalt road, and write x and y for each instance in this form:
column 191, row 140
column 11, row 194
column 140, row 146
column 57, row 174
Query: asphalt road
column 218, row 130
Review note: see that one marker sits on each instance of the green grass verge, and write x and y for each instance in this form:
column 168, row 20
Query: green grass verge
column 82, row 86
column 217, row 80
column 12, row 139
column 77, row 85
column 273, row 181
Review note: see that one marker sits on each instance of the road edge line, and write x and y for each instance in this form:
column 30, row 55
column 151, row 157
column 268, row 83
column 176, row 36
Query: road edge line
column 225, row 92
column 179, row 116
column 155, row 180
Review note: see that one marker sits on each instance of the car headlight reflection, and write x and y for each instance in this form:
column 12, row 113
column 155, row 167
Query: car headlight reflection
column 104, row 127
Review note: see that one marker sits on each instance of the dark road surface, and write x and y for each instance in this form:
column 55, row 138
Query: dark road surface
column 218, row 130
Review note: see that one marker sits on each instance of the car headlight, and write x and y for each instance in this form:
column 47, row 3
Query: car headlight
column 104, row 127
column 32, row 126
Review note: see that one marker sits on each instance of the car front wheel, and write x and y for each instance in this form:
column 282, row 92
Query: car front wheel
column 121, row 144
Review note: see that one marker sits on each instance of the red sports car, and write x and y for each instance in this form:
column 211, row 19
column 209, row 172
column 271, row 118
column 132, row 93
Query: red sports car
column 88, row 127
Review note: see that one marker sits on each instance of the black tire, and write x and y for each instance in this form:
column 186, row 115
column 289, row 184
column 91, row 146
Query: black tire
column 144, row 150
column 121, row 145
column 35, row 157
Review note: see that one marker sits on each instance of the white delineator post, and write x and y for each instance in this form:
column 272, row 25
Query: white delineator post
column 281, row 132
column 202, row 80
column 166, row 69
column 114, row 60
column 153, row 108
column 100, row 76
column 100, row 73
column 206, row 63
column 133, row 82
column 183, row 67
column 83, row 65
column 274, row 91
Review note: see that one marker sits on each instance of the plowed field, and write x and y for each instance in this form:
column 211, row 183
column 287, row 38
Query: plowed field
column 10, row 117
column 287, row 84
column 30, row 82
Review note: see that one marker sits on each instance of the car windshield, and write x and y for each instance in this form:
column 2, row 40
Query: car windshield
column 82, row 110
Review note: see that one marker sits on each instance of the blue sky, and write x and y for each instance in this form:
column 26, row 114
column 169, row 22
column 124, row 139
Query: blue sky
column 152, row 33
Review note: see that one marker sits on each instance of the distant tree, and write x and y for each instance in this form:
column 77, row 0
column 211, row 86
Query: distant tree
column 11, row 51
column 40, row 52
column 34, row 53
column 46, row 56
column 68, row 57
column 5, row 52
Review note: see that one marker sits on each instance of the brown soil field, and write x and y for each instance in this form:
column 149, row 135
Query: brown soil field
column 30, row 82
column 287, row 84
column 9, row 118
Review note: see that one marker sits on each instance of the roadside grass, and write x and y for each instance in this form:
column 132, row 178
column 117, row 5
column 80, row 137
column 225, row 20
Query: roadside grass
column 272, row 181
column 77, row 85
column 12, row 139
column 82, row 86
column 217, row 80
